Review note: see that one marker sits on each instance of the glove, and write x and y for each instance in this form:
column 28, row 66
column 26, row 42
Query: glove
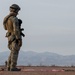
column 20, row 42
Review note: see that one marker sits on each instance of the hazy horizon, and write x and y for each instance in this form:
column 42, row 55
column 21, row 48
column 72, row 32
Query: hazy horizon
column 49, row 25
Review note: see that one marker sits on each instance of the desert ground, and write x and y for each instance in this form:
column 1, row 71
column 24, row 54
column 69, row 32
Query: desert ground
column 40, row 70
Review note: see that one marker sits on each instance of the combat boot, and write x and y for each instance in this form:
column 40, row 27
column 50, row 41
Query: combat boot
column 15, row 69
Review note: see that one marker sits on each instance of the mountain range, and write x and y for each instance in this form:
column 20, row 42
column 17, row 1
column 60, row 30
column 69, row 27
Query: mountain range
column 30, row 58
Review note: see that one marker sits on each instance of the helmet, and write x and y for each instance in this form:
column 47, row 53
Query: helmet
column 15, row 6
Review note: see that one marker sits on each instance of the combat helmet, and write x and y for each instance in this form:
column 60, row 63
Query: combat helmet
column 15, row 6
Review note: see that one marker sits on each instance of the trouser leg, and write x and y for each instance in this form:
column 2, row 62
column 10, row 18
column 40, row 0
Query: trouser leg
column 14, row 54
column 9, row 62
column 14, row 57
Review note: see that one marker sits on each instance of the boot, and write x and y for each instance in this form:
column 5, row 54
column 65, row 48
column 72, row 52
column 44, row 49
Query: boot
column 15, row 69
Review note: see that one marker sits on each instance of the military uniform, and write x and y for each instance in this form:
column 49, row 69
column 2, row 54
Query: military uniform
column 11, row 24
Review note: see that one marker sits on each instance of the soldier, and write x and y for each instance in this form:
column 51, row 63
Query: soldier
column 11, row 24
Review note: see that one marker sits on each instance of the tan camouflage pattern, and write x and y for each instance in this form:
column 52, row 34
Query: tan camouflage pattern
column 14, row 40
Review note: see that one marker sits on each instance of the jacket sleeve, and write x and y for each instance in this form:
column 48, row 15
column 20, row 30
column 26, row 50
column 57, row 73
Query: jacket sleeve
column 16, row 28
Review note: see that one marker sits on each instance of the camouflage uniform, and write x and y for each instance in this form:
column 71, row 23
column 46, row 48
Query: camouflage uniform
column 11, row 24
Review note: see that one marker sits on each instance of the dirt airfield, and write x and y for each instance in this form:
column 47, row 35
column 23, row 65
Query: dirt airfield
column 40, row 70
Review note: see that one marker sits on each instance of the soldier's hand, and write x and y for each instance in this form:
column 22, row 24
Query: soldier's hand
column 20, row 42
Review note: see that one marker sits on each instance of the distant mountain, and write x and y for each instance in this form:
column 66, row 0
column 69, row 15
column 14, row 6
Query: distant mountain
column 35, row 59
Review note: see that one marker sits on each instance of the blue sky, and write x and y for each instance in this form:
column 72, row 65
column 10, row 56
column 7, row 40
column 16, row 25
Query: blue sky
column 49, row 25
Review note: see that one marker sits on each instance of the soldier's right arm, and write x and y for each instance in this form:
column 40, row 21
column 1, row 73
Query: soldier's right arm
column 16, row 28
